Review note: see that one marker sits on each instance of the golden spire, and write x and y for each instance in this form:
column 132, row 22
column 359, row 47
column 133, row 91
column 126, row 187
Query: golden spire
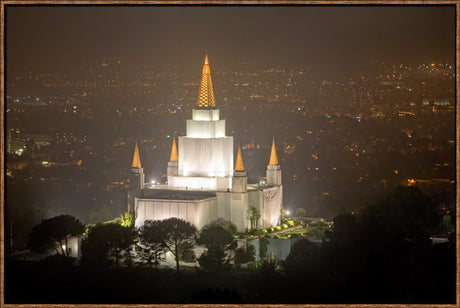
column 273, row 157
column 136, row 159
column 239, row 161
column 206, row 94
column 174, row 156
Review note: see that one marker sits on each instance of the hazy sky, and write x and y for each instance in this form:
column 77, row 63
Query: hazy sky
column 331, row 39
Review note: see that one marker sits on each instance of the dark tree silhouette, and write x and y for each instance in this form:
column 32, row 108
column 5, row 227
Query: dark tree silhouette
column 407, row 210
column 151, row 241
column 176, row 233
column 244, row 255
column 302, row 257
column 108, row 241
column 219, row 242
column 54, row 233
column 227, row 225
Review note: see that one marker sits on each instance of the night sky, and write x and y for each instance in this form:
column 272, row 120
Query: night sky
column 335, row 41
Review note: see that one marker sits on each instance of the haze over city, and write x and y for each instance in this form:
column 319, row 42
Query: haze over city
column 336, row 41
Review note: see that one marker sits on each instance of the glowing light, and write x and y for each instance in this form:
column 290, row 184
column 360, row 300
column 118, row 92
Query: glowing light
column 206, row 93
column 239, row 162
column 136, row 159
column 273, row 157
column 174, row 156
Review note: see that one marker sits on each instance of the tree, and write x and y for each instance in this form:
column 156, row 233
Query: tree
column 406, row 210
column 254, row 216
column 263, row 248
column 302, row 257
column 128, row 219
column 300, row 212
column 151, row 241
column 243, row 255
column 107, row 241
column 218, row 242
column 176, row 234
column 447, row 224
column 54, row 233
column 227, row 225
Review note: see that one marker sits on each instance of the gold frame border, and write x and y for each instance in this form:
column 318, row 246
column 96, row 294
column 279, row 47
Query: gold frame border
column 223, row 3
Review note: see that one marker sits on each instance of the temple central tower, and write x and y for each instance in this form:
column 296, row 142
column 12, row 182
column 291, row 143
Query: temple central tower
column 205, row 154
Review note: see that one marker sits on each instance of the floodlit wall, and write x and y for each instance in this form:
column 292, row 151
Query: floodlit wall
column 73, row 247
column 197, row 212
column 273, row 175
column 195, row 182
column 239, row 211
column 205, row 114
column 268, row 201
column 205, row 129
column 206, row 157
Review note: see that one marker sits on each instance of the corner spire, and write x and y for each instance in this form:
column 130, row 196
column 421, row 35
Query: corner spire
column 239, row 161
column 136, row 159
column 206, row 94
column 273, row 157
column 174, row 156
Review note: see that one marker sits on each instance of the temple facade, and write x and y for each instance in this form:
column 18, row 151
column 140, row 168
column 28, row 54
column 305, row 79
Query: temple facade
column 203, row 183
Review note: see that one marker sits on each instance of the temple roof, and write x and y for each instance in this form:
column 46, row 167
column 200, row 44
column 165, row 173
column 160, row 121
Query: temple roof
column 177, row 194
column 174, row 156
column 136, row 159
column 239, row 161
column 206, row 94
column 273, row 157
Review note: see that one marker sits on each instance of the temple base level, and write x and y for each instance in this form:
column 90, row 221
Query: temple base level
column 198, row 182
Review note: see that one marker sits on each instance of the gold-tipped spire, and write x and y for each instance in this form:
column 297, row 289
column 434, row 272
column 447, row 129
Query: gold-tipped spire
column 174, row 156
column 136, row 159
column 239, row 161
column 273, row 157
column 206, row 94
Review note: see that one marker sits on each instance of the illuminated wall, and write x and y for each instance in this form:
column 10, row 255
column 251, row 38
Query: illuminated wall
column 197, row 212
column 268, row 201
column 205, row 129
column 196, row 182
column 205, row 154
column 206, row 157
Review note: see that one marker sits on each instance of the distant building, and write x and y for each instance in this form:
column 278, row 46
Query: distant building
column 202, row 183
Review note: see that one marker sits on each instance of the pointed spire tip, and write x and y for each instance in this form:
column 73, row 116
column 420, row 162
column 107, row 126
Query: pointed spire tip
column 273, row 156
column 239, row 161
column 174, row 156
column 206, row 93
column 136, row 158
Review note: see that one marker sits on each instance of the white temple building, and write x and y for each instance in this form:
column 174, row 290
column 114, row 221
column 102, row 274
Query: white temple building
column 202, row 183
